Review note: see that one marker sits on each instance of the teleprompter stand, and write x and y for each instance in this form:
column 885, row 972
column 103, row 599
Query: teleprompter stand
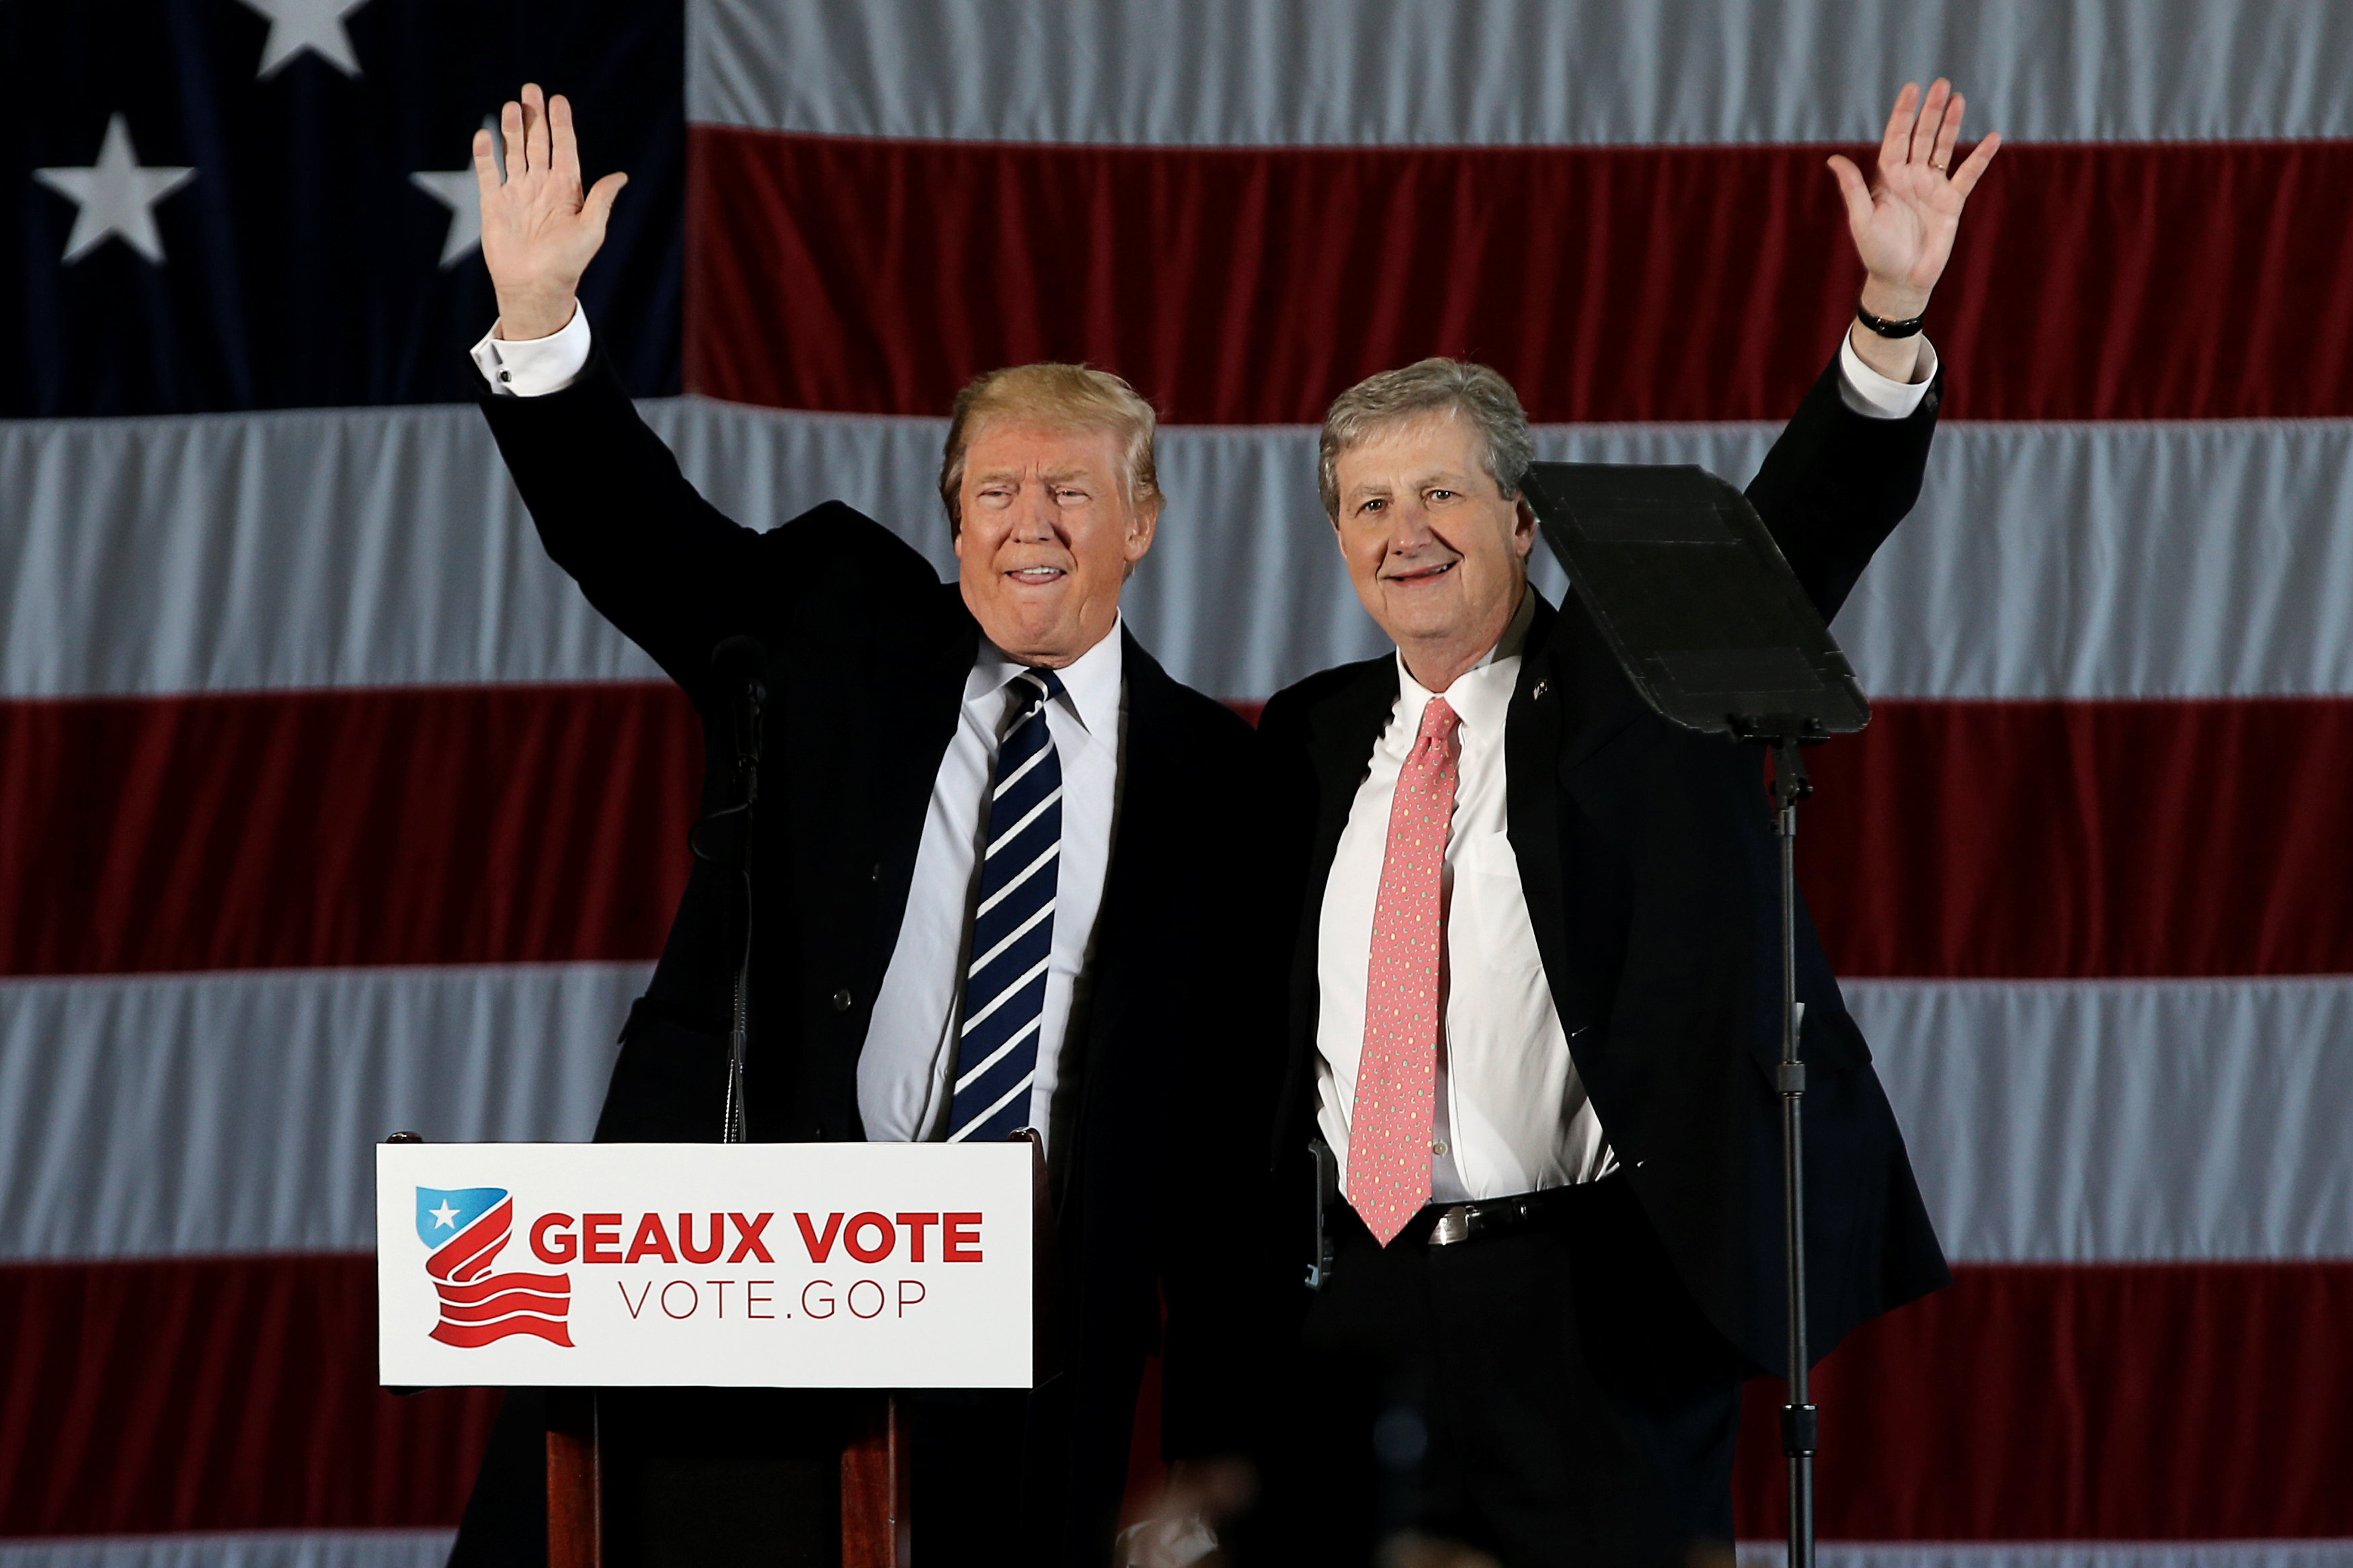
column 1711, row 626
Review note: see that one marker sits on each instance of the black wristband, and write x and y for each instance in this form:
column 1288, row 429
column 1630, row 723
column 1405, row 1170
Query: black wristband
column 1887, row 329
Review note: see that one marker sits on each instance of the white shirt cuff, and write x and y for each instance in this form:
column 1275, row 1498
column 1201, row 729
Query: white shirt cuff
column 537, row 366
column 1867, row 391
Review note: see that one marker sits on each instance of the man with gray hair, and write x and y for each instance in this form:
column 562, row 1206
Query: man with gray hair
column 1535, row 995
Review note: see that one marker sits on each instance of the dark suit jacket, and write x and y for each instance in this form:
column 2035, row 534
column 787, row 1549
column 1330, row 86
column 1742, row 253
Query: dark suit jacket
column 868, row 654
column 1651, row 880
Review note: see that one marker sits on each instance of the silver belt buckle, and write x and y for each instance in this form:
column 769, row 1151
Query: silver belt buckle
column 1453, row 1226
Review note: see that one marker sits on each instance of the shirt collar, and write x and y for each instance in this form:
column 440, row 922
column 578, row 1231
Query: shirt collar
column 1482, row 694
column 1091, row 682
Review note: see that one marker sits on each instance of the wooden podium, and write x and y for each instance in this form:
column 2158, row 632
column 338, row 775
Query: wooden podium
column 876, row 1485
column 864, row 1268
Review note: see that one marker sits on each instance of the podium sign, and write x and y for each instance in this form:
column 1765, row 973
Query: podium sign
column 743, row 1265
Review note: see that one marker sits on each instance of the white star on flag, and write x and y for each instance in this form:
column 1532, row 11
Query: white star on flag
column 117, row 196
column 313, row 24
column 459, row 192
column 444, row 1217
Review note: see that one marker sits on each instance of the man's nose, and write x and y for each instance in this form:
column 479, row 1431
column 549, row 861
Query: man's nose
column 1408, row 530
column 1033, row 514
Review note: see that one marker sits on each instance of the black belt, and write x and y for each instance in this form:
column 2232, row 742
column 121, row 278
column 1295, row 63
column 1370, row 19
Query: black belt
column 1439, row 1224
column 1450, row 1225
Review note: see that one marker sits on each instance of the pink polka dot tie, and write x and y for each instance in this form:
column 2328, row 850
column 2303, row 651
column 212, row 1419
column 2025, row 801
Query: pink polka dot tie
column 1388, row 1130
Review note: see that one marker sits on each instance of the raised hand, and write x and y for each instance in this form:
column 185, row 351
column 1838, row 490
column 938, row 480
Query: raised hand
column 539, row 232
column 1904, row 222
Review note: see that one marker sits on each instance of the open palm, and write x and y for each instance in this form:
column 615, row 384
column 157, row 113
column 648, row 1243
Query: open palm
column 1904, row 223
column 539, row 230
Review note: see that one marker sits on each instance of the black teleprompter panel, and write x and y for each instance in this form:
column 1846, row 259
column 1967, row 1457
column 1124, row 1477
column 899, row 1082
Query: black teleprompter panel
column 1694, row 598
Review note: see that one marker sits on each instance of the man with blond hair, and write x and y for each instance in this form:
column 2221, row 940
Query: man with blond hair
column 985, row 904
column 1536, row 998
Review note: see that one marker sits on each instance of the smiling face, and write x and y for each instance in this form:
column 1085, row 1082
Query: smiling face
column 1436, row 552
column 1049, row 527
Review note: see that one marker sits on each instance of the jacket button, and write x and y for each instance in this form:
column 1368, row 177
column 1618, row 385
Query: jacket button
column 841, row 1001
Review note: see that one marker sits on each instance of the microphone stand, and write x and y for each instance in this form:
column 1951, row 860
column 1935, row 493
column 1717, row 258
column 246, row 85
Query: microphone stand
column 1799, row 1418
column 749, row 696
column 750, row 700
column 739, row 1033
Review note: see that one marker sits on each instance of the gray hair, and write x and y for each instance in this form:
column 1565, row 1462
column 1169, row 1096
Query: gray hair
column 1448, row 386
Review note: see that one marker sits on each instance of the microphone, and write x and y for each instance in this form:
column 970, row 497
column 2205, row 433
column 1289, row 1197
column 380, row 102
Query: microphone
column 738, row 663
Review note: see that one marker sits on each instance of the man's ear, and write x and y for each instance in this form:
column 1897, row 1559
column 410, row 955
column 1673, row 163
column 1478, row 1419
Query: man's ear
column 1524, row 526
column 1143, row 525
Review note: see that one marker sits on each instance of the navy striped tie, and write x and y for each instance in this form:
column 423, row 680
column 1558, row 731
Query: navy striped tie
column 1013, row 924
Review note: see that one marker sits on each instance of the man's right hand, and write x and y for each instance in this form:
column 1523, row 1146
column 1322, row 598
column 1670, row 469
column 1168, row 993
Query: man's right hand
column 539, row 232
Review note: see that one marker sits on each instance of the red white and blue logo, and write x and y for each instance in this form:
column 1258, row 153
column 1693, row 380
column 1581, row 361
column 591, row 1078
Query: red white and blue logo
column 465, row 1227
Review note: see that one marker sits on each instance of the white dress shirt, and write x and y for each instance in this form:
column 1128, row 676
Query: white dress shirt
column 907, row 1062
column 533, row 367
column 1511, row 1115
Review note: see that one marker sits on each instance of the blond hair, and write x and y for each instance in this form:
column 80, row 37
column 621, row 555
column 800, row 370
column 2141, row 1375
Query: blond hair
column 1454, row 387
column 1059, row 397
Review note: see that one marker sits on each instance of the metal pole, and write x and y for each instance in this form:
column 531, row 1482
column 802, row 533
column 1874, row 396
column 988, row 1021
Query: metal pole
column 1798, row 1434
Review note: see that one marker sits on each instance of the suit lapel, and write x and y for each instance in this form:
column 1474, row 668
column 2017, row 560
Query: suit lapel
column 1539, row 716
column 1342, row 729
column 1150, row 767
column 1570, row 701
column 912, row 741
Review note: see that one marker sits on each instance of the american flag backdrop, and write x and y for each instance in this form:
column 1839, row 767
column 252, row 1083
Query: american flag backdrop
column 327, row 808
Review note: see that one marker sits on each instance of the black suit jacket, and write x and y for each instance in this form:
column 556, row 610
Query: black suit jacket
column 868, row 658
column 1646, row 854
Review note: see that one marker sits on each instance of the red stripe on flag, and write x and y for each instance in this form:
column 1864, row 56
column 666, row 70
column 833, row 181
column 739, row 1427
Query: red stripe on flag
column 458, row 825
column 2085, row 839
column 1250, row 284
column 2212, row 1401
column 529, row 824
column 216, row 1393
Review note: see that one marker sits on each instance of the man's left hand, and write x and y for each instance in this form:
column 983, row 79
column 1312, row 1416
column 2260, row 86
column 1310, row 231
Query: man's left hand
column 1181, row 1529
column 1904, row 225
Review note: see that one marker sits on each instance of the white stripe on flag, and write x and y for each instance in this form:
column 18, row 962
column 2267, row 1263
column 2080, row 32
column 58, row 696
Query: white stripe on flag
column 235, row 1111
column 2049, row 1121
column 1242, row 73
column 222, row 1549
column 2070, row 1121
column 311, row 550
